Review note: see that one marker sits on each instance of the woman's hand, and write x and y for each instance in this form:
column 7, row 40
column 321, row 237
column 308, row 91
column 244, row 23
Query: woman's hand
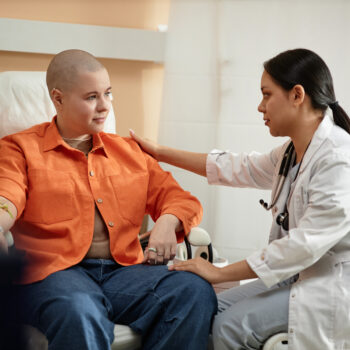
column 147, row 145
column 162, row 241
column 234, row 272
column 200, row 267
column 195, row 162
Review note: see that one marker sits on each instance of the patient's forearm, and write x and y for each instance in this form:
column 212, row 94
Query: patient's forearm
column 167, row 219
column 195, row 162
column 8, row 214
column 172, row 221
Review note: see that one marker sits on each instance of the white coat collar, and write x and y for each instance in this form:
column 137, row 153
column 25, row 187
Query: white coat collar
column 320, row 135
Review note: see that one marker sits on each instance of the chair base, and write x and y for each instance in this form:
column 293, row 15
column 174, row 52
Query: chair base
column 278, row 341
column 125, row 339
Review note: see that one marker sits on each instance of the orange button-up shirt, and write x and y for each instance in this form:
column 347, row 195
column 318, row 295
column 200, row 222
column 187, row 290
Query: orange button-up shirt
column 55, row 189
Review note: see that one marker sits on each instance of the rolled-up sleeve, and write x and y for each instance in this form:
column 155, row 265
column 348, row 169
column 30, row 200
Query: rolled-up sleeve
column 254, row 170
column 165, row 196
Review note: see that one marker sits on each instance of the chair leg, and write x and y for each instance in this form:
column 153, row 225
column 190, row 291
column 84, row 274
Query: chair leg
column 188, row 248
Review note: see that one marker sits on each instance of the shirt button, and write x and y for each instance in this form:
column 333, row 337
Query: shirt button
column 274, row 209
column 291, row 330
column 92, row 173
column 262, row 256
column 293, row 295
column 99, row 200
column 111, row 224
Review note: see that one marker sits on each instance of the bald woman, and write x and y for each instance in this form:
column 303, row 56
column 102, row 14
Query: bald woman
column 77, row 197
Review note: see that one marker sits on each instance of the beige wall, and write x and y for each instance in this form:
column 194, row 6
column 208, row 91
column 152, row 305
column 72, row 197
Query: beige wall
column 137, row 86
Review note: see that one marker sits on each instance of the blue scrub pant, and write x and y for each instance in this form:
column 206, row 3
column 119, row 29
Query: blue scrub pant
column 77, row 308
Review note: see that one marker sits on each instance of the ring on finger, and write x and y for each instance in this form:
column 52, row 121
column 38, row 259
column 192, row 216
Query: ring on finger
column 151, row 249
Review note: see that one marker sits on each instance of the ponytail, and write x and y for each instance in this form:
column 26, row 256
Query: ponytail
column 340, row 117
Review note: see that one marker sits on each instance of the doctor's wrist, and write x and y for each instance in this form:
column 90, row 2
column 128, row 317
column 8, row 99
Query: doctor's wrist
column 161, row 153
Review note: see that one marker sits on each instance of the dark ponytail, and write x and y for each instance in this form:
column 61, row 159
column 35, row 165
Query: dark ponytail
column 340, row 117
column 304, row 67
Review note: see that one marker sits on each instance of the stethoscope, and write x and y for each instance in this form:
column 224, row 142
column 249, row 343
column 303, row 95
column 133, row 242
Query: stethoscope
column 288, row 159
column 286, row 163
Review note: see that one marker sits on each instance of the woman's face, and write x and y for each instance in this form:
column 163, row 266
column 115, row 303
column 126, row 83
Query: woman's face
column 277, row 107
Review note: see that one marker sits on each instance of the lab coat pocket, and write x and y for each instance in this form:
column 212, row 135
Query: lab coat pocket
column 49, row 197
column 131, row 192
column 298, row 203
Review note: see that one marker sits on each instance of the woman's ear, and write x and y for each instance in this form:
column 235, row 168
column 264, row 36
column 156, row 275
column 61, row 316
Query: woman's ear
column 297, row 94
column 56, row 97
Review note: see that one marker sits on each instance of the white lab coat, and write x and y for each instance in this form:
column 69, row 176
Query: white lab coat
column 318, row 243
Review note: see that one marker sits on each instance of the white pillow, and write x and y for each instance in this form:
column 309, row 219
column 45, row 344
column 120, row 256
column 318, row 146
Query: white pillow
column 25, row 101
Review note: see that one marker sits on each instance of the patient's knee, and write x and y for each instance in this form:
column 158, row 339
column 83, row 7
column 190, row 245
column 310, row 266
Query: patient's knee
column 72, row 309
column 197, row 289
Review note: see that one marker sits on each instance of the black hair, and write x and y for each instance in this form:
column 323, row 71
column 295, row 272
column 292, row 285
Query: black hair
column 304, row 67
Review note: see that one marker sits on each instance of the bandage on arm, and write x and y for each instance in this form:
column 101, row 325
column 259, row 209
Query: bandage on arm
column 8, row 214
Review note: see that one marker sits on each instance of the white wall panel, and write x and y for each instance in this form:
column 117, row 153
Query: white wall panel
column 189, row 98
column 218, row 47
column 106, row 42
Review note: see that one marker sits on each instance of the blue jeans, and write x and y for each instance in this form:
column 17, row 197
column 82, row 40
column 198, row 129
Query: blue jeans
column 77, row 308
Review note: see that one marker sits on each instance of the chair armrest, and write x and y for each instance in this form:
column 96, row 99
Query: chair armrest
column 198, row 236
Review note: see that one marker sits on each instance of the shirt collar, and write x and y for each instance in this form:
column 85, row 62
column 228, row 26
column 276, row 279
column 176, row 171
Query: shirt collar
column 53, row 139
column 98, row 144
column 318, row 138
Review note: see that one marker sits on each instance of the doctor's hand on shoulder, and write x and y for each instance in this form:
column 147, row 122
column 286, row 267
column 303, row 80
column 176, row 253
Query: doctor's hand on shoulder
column 147, row 145
column 191, row 161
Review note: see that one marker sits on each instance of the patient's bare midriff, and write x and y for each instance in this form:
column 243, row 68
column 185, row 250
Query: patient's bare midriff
column 100, row 242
